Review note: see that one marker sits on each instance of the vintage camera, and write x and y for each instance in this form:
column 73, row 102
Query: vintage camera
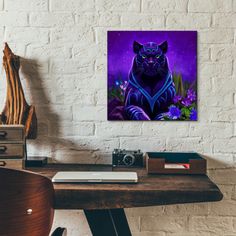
column 129, row 158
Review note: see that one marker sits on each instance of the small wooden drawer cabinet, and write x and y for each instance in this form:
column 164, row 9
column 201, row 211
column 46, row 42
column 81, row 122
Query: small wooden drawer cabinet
column 12, row 146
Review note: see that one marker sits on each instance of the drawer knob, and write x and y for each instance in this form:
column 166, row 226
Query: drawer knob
column 2, row 163
column 3, row 149
column 29, row 211
column 3, row 134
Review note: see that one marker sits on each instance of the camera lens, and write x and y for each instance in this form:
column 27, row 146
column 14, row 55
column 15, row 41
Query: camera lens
column 128, row 159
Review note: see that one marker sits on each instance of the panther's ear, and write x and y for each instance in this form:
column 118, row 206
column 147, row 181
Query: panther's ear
column 164, row 46
column 136, row 47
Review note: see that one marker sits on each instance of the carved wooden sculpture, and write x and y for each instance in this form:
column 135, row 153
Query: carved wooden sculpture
column 16, row 110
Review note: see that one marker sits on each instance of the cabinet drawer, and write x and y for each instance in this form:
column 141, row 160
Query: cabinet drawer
column 11, row 133
column 11, row 151
column 11, row 163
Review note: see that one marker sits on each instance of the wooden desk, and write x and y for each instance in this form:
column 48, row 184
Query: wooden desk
column 103, row 203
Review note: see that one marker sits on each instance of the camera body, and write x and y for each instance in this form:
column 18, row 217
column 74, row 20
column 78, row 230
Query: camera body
column 127, row 158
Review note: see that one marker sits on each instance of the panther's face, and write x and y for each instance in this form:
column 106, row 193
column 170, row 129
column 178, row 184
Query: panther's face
column 150, row 57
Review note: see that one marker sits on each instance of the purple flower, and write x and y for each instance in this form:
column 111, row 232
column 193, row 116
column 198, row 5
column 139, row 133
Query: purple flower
column 191, row 95
column 193, row 114
column 124, row 86
column 186, row 102
column 174, row 112
column 177, row 98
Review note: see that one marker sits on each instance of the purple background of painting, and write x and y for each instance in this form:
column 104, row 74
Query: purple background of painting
column 182, row 51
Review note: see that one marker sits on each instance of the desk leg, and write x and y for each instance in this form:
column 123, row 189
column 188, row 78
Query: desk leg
column 110, row 222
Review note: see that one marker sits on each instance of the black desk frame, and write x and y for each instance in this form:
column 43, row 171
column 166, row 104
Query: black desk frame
column 110, row 222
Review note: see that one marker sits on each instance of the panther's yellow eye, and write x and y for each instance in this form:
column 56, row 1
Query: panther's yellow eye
column 157, row 56
column 143, row 56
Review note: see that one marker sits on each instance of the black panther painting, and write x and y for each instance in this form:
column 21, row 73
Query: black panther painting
column 152, row 75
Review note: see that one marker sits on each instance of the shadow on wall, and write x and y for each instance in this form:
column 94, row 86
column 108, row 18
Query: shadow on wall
column 197, row 218
column 221, row 170
column 49, row 143
column 223, row 173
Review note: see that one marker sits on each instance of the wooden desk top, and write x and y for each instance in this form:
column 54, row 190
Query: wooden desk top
column 151, row 190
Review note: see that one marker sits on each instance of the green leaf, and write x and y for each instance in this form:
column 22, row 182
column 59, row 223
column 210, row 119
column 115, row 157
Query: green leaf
column 179, row 85
column 185, row 112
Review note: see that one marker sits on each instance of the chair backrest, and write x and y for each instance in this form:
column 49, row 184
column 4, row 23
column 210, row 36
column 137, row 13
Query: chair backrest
column 26, row 203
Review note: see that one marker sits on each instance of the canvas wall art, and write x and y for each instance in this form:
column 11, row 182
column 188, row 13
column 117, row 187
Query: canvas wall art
column 152, row 75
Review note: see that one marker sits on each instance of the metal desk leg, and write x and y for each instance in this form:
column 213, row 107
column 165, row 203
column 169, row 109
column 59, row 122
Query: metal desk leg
column 110, row 222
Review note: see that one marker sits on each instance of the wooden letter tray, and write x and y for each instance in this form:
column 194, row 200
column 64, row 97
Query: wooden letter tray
column 175, row 163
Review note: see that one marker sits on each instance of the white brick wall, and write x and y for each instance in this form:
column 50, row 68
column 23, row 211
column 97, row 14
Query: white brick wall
column 63, row 43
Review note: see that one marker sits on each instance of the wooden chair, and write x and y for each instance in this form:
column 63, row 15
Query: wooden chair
column 26, row 204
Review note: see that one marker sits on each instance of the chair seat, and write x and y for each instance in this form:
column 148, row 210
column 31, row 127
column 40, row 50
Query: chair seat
column 26, row 204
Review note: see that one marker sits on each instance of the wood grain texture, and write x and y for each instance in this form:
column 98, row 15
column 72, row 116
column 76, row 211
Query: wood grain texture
column 16, row 110
column 11, row 150
column 21, row 191
column 12, row 163
column 151, row 190
column 12, row 134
